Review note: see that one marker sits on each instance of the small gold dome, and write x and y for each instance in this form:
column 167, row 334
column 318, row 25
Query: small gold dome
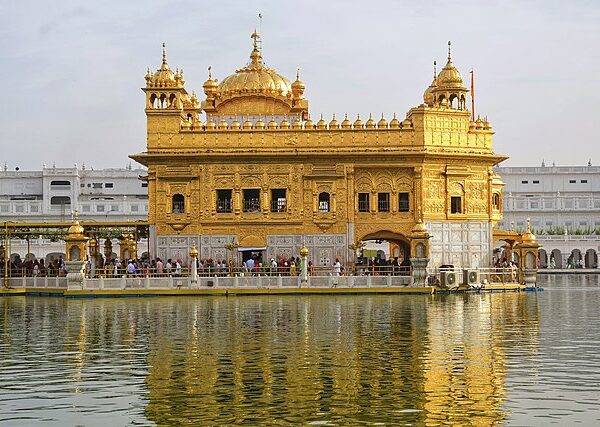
column 333, row 124
column 198, row 124
column 297, row 124
column 449, row 77
column 298, row 87
column 428, row 95
column 211, row 124
column 76, row 229
column 394, row 123
column 321, row 124
column 164, row 76
column 528, row 237
column 303, row 251
column 272, row 124
column 247, row 124
column 223, row 124
column 382, row 123
column 370, row 124
column 284, row 124
column 309, row 125
column 210, row 86
column 194, row 252
column 346, row 124
column 358, row 124
column 235, row 124
column 406, row 124
column 259, row 124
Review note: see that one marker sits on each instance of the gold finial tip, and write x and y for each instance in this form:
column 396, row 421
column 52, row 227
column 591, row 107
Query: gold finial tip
column 298, row 73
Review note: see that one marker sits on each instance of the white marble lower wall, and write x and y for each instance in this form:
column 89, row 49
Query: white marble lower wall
column 241, row 282
column 323, row 248
column 463, row 244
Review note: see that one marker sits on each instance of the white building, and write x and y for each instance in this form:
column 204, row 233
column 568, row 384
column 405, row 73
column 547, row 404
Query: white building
column 563, row 203
column 52, row 194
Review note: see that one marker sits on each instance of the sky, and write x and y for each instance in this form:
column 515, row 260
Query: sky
column 72, row 70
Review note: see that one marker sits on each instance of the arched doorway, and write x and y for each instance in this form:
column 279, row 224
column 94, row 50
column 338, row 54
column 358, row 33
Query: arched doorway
column 384, row 252
column 543, row 258
column 575, row 260
column 555, row 259
column 591, row 259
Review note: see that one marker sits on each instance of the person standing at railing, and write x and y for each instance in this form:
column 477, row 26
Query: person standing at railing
column 337, row 267
column 130, row 268
column 159, row 267
column 178, row 267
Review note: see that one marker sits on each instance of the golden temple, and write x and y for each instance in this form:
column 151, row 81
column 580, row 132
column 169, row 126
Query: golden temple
column 246, row 168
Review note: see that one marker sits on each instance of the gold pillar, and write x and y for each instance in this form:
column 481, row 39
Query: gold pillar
column 528, row 250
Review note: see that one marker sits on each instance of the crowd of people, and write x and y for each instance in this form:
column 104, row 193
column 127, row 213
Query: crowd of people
column 34, row 267
column 254, row 265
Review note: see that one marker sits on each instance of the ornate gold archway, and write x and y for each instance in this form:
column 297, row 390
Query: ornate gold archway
column 398, row 239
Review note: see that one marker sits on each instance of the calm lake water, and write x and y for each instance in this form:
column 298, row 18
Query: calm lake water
column 484, row 359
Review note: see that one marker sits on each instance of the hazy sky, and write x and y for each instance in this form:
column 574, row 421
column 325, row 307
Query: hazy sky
column 72, row 70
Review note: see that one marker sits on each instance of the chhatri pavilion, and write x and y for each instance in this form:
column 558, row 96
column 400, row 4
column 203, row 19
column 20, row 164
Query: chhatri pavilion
column 247, row 170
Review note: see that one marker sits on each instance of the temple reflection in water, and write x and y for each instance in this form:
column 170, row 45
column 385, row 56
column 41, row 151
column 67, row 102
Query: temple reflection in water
column 287, row 360
column 410, row 359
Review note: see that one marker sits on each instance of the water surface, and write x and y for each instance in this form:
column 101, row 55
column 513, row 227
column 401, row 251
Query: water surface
column 484, row 359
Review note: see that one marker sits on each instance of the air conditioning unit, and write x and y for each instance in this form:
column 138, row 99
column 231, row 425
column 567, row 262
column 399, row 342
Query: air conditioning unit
column 470, row 276
column 448, row 279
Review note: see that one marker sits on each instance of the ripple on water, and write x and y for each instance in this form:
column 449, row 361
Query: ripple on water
column 509, row 358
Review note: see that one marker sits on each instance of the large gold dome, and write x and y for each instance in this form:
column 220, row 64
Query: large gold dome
column 254, row 90
column 255, row 79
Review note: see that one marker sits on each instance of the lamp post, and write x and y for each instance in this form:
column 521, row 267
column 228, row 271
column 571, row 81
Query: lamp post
column 93, row 243
column 304, row 272
column 194, row 255
column 231, row 247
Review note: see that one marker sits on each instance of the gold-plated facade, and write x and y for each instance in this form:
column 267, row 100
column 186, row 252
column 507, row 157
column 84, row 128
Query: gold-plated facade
column 258, row 167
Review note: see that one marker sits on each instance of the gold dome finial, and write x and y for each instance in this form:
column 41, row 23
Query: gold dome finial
column 449, row 51
column 255, row 56
column 164, row 53
column 434, row 70
column 210, row 72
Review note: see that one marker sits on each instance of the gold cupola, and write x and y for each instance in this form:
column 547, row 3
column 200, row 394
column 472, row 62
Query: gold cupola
column 164, row 76
column 448, row 91
column 298, row 87
column 210, row 86
column 254, row 90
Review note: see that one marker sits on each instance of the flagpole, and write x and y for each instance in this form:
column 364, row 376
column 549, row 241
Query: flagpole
column 472, row 94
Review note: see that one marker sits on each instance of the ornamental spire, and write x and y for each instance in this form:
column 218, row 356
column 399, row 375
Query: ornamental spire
column 256, row 56
column 449, row 52
column 434, row 70
column 164, row 53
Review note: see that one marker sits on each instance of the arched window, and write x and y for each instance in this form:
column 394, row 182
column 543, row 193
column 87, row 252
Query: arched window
column 178, row 204
column 496, row 201
column 324, row 202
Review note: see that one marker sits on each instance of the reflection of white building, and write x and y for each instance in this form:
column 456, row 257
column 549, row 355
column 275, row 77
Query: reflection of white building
column 51, row 194
column 563, row 203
